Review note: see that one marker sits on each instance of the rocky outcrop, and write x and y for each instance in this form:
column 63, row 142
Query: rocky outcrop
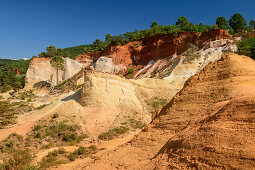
column 209, row 124
column 154, row 48
column 40, row 69
column 106, row 64
column 118, row 99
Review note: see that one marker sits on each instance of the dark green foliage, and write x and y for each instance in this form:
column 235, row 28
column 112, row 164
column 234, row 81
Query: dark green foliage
column 8, row 78
column 93, row 148
column 154, row 24
column 108, row 38
column 55, row 116
column 37, row 127
column 81, row 150
column 75, row 51
column 237, row 22
column 231, row 31
column 247, row 47
column 222, row 23
column 98, row 45
column 252, row 24
column 59, row 132
column 131, row 71
column 183, row 23
column 51, row 52
column 72, row 156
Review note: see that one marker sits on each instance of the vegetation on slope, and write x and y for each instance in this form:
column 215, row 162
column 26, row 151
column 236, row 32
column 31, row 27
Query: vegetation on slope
column 247, row 47
column 8, row 77
column 17, row 152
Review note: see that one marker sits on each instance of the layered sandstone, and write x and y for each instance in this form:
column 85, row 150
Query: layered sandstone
column 209, row 124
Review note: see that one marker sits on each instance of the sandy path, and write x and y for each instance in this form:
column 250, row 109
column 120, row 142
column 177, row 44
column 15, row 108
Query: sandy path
column 25, row 123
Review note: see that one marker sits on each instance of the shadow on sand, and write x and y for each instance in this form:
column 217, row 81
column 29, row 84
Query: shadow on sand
column 76, row 96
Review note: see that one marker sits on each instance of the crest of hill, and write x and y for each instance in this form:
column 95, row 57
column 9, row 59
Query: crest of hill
column 209, row 124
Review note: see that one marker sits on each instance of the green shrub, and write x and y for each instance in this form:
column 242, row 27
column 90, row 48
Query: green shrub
column 10, row 144
column 61, row 151
column 70, row 136
column 55, row 116
column 247, row 47
column 131, row 71
column 156, row 103
column 93, row 148
column 137, row 124
column 19, row 160
column 22, row 96
column 72, row 156
column 38, row 135
column 37, row 127
column 109, row 135
column 81, row 150
column 50, row 160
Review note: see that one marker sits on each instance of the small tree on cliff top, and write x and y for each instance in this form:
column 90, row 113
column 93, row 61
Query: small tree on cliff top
column 154, row 24
column 237, row 22
column 222, row 23
column 252, row 24
column 58, row 63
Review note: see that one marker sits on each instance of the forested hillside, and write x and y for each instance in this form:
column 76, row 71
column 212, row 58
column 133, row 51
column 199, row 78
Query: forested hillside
column 12, row 74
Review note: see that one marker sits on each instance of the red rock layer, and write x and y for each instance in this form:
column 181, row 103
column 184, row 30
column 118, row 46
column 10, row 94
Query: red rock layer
column 154, row 48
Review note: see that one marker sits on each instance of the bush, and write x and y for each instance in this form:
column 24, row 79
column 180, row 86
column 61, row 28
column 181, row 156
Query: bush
column 19, row 160
column 247, row 47
column 131, row 71
column 93, row 148
column 51, row 160
column 72, row 156
column 136, row 124
column 61, row 151
column 69, row 137
column 55, row 116
column 37, row 127
column 109, row 135
column 81, row 150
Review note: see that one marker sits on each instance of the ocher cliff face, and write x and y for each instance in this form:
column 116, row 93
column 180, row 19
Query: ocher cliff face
column 40, row 69
column 154, row 48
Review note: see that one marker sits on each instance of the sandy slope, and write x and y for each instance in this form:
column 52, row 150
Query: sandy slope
column 26, row 122
column 208, row 124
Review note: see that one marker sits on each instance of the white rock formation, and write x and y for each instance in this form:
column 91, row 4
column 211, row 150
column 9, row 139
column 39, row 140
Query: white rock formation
column 40, row 69
column 106, row 65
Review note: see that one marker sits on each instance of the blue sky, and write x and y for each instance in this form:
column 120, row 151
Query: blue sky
column 28, row 26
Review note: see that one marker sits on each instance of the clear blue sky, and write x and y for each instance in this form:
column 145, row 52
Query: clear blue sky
column 28, row 26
